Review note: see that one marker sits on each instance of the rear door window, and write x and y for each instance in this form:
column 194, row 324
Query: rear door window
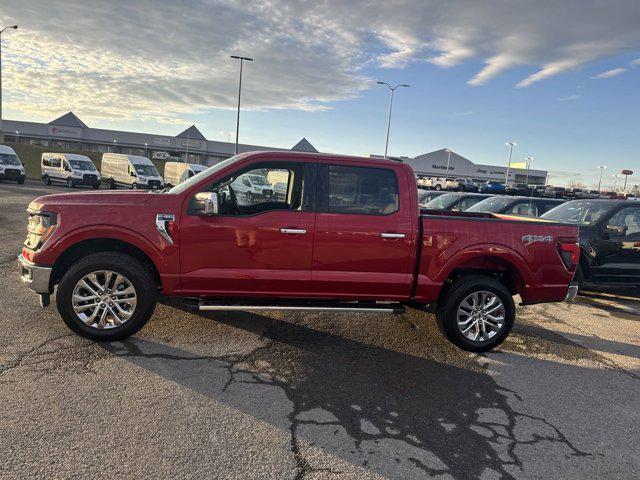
column 362, row 190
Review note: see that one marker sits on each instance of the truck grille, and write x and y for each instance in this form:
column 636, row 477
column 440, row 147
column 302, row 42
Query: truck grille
column 89, row 176
column 154, row 184
column 11, row 172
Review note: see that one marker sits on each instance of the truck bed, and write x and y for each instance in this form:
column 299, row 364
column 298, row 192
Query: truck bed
column 522, row 249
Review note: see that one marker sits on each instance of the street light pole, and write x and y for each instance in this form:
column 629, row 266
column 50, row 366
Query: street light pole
column 392, row 89
column 615, row 181
column 528, row 160
column 13, row 27
column 242, row 59
column 448, row 160
column 510, row 145
column 602, row 168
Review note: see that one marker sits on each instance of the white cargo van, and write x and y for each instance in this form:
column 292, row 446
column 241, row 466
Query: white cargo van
column 70, row 169
column 177, row 172
column 10, row 166
column 130, row 171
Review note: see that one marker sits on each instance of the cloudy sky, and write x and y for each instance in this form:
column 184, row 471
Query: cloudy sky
column 560, row 78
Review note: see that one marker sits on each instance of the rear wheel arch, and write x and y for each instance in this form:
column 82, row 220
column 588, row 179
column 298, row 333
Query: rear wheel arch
column 499, row 268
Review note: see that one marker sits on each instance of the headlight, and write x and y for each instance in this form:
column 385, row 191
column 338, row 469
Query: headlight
column 41, row 226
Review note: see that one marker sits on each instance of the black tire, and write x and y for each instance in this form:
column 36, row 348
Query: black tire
column 134, row 186
column 111, row 184
column 96, row 186
column 455, row 294
column 21, row 181
column 578, row 277
column 69, row 183
column 438, row 187
column 137, row 273
column 46, row 180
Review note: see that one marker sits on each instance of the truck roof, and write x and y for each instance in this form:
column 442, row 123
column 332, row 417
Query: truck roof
column 326, row 156
column 137, row 159
column 69, row 156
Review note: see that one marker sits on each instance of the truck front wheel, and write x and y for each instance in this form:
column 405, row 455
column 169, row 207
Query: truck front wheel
column 106, row 296
column 477, row 313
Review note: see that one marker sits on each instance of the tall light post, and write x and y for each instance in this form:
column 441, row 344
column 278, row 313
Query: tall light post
column 510, row 145
column 528, row 160
column 392, row 89
column 448, row 150
column 13, row 27
column 615, row 181
column 242, row 59
column 602, row 169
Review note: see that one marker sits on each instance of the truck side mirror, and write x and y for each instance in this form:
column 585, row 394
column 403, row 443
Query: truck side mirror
column 207, row 203
column 614, row 230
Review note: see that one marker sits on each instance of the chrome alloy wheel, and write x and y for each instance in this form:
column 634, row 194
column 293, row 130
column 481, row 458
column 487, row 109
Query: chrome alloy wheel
column 481, row 315
column 104, row 299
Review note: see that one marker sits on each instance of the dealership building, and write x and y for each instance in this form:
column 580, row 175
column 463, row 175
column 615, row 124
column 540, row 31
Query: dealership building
column 434, row 164
column 69, row 132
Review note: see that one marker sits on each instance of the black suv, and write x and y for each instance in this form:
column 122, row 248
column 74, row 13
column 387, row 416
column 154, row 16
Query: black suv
column 609, row 239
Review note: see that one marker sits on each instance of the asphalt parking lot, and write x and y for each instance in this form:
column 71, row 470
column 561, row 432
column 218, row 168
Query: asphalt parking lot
column 313, row 396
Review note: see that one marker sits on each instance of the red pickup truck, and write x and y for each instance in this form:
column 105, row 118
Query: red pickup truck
column 291, row 231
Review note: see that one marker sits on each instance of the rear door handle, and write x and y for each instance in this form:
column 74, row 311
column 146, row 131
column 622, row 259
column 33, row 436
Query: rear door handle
column 392, row 235
column 293, row 231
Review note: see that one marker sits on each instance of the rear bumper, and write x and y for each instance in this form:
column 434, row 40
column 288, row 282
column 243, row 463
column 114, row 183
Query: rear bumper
column 34, row 276
column 571, row 294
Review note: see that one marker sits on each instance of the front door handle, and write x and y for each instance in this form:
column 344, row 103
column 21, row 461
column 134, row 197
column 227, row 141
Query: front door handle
column 293, row 231
column 392, row 235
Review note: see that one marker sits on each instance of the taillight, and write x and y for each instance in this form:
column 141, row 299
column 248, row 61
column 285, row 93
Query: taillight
column 569, row 251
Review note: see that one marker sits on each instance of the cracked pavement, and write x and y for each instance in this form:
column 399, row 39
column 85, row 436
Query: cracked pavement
column 313, row 396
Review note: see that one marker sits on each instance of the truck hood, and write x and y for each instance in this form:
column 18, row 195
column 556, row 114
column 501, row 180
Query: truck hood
column 100, row 198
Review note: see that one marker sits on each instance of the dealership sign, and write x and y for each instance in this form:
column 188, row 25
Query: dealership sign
column 67, row 132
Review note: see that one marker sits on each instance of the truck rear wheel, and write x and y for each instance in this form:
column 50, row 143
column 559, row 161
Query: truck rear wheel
column 106, row 296
column 477, row 313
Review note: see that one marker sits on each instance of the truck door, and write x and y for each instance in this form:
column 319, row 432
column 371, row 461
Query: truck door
column 364, row 232
column 618, row 256
column 256, row 245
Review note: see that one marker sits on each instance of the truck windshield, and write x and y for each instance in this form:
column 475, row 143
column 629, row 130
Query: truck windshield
column 85, row 165
column 146, row 170
column 579, row 212
column 493, row 205
column 205, row 173
column 9, row 159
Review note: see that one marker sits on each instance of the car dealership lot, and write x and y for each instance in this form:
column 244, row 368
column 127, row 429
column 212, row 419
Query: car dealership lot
column 308, row 395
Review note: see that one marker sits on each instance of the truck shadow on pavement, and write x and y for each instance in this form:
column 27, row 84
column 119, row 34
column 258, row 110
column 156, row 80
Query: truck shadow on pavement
column 389, row 412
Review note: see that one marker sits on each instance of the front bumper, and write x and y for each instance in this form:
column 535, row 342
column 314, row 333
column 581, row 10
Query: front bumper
column 12, row 176
column 571, row 294
column 34, row 276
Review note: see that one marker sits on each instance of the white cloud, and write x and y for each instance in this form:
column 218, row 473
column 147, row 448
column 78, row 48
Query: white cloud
column 169, row 59
column 635, row 63
column 569, row 98
column 614, row 72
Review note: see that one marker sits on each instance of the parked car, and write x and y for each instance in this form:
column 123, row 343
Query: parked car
column 129, row 171
column 345, row 238
column 609, row 239
column 455, row 201
column 464, row 185
column 11, row 168
column 555, row 192
column 69, row 169
column 177, row 172
column 426, row 197
column 166, row 156
column 492, row 187
column 520, row 206
column 520, row 189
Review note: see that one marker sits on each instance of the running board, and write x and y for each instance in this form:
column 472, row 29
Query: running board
column 310, row 307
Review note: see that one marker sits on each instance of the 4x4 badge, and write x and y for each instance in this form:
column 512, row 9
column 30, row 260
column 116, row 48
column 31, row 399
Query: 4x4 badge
column 529, row 239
